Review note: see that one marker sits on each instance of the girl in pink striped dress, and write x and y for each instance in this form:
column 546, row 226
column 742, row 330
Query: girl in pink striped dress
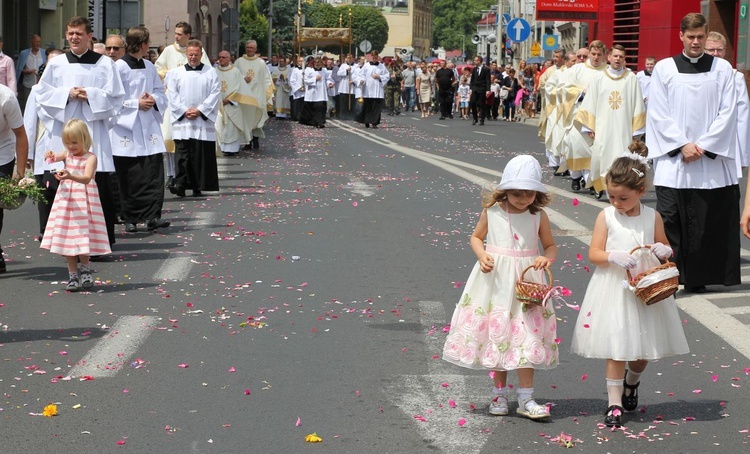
column 76, row 227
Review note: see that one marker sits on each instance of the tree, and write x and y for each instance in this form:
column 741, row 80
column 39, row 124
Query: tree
column 454, row 19
column 252, row 25
column 367, row 22
column 284, row 16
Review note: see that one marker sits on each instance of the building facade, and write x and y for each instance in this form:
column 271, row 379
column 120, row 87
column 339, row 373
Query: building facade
column 409, row 26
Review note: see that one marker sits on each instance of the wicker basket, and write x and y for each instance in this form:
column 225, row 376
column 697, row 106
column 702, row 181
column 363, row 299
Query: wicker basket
column 658, row 290
column 533, row 293
column 15, row 204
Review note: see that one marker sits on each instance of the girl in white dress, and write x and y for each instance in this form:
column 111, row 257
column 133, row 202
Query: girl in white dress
column 613, row 323
column 491, row 329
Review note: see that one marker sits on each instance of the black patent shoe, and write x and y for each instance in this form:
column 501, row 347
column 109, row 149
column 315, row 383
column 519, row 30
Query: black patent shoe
column 629, row 402
column 157, row 223
column 613, row 416
column 2, row 263
column 575, row 184
column 130, row 227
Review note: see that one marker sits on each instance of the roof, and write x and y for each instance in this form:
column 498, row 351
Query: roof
column 489, row 19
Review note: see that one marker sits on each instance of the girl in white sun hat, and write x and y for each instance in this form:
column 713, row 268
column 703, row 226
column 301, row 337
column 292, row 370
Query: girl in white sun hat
column 491, row 329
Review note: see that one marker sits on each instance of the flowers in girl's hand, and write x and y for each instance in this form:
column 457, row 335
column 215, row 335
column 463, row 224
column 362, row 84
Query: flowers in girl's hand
column 50, row 411
column 14, row 192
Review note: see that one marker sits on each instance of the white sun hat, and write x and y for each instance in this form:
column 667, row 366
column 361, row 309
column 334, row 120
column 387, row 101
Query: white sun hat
column 522, row 173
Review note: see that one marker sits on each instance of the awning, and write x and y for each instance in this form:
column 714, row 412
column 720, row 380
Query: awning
column 323, row 37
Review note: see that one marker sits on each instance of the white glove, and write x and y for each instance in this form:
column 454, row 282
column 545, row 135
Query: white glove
column 661, row 250
column 622, row 258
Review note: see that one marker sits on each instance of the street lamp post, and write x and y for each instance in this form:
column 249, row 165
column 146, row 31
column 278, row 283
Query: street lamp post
column 270, row 29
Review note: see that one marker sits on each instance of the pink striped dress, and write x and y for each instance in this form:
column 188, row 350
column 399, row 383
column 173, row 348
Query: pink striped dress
column 76, row 223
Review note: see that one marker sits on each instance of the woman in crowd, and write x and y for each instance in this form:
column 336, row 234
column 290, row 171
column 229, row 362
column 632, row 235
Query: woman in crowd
column 424, row 90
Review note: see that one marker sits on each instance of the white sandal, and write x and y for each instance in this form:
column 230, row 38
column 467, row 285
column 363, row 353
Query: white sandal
column 499, row 405
column 532, row 410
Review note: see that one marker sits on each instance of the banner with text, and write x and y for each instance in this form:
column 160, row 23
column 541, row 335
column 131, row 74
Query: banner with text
column 567, row 10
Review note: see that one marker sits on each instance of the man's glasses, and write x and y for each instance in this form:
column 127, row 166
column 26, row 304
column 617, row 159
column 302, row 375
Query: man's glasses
column 581, row 57
column 114, row 48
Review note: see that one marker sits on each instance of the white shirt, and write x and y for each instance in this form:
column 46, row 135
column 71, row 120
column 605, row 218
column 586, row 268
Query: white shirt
column 10, row 119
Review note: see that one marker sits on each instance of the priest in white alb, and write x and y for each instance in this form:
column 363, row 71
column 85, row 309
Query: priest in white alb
column 256, row 93
column 612, row 114
column 280, row 76
column 85, row 85
column 576, row 147
column 171, row 57
column 297, row 88
column 691, row 137
column 549, row 104
column 194, row 95
column 347, row 101
column 137, row 143
column 229, row 121
column 372, row 79
column 317, row 81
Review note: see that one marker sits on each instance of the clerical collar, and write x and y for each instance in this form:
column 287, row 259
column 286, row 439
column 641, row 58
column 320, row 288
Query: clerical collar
column 615, row 72
column 179, row 48
column 225, row 68
column 254, row 57
column 133, row 62
column 88, row 57
column 374, row 63
column 691, row 59
column 647, row 72
column 600, row 67
column 190, row 68
column 688, row 65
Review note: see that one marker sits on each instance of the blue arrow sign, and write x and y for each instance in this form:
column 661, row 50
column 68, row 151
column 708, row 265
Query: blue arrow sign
column 518, row 30
column 506, row 18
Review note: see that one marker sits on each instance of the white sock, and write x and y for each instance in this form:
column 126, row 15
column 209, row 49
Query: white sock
column 525, row 393
column 632, row 378
column 614, row 391
column 500, row 391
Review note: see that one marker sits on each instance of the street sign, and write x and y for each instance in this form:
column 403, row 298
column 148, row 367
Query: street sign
column 365, row 46
column 550, row 42
column 536, row 49
column 506, row 18
column 519, row 30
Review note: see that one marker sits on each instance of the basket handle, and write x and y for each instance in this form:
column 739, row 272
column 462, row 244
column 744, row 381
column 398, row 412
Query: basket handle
column 549, row 273
column 647, row 246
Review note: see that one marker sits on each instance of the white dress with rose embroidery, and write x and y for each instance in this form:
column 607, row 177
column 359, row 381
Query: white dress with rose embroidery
column 490, row 328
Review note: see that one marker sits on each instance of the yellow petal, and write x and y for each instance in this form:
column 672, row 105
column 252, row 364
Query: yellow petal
column 313, row 438
column 50, row 410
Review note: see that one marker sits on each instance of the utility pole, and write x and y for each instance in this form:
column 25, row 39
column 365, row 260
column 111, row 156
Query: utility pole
column 270, row 30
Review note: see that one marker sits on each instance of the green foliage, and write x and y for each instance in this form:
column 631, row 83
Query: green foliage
column 284, row 15
column 453, row 19
column 252, row 25
column 367, row 23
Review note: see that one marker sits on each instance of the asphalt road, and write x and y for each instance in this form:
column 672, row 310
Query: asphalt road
column 311, row 296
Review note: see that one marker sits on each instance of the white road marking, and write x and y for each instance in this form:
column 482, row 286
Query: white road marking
column 114, row 350
column 441, row 125
column 484, row 133
column 734, row 332
column 178, row 265
column 358, row 186
column 426, row 396
column 742, row 310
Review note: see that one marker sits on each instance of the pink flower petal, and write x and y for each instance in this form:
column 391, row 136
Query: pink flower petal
column 461, row 422
column 354, row 204
column 696, row 391
column 579, row 257
column 714, row 378
column 120, row 442
column 584, row 377
column 444, row 384
column 452, row 403
column 575, row 202
column 247, row 392
column 566, row 292
column 232, row 369
column 182, row 366
column 298, row 423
